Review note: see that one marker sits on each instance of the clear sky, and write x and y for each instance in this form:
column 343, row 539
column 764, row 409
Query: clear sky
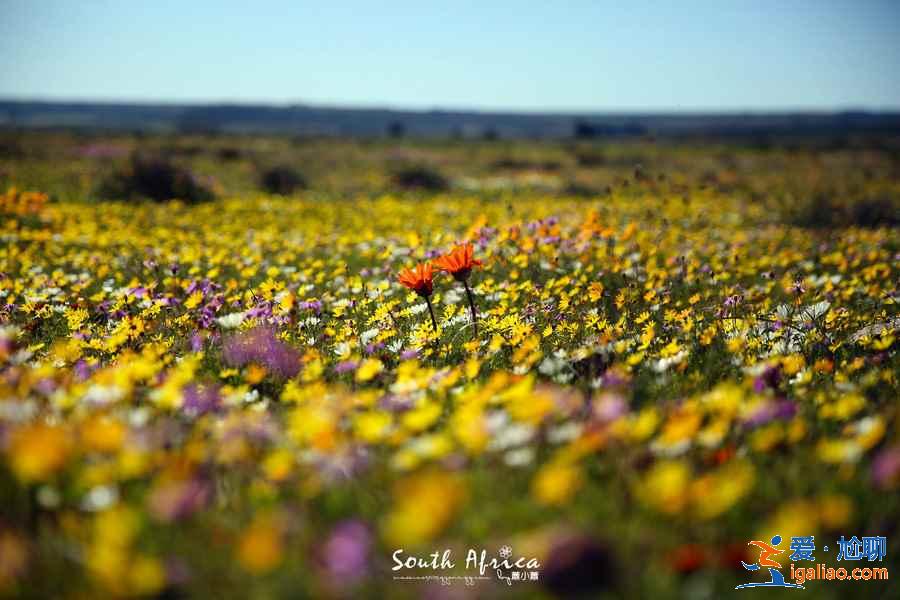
column 519, row 55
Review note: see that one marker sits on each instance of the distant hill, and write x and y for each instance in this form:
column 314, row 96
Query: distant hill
column 328, row 121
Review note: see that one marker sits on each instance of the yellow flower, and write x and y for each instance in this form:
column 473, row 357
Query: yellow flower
column 255, row 374
column 369, row 369
column 75, row 318
column 469, row 427
column 797, row 517
column 680, row 427
column 279, row 464
column 843, row 408
column 644, row 424
column 147, row 575
column 422, row 417
column 424, row 504
column 665, row 486
column 555, row 483
column 372, row 426
column 103, row 434
column 193, row 300
column 260, row 548
column 315, row 425
column 38, row 451
column 716, row 492
column 835, row 511
column 527, row 404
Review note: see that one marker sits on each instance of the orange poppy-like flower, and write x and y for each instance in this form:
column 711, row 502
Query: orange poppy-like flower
column 458, row 262
column 418, row 279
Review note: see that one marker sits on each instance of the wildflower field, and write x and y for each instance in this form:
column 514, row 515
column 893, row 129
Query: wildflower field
column 625, row 364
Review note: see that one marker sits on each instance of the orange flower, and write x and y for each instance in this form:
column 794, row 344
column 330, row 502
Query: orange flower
column 418, row 279
column 458, row 262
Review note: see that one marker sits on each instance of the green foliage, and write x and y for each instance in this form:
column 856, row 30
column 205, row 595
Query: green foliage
column 154, row 178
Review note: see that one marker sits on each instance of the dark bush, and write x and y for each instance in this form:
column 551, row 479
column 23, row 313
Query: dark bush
column 229, row 153
column 515, row 164
column 825, row 211
column 419, row 177
column 155, row 178
column 590, row 158
column 11, row 149
column 185, row 150
column 880, row 211
column 579, row 189
column 283, row 180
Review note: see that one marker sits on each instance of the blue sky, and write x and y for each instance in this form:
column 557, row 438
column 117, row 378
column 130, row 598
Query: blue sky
column 533, row 55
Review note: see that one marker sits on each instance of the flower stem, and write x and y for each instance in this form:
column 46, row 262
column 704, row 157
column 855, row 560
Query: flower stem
column 431, row 312
column 471, row 306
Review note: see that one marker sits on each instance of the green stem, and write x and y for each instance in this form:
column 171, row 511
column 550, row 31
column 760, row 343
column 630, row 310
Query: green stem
column 431, row 312
column 471, row 306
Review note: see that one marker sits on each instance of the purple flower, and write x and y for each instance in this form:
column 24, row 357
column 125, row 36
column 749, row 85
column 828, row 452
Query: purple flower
column 82, row 370
column 409, row 354
column 260, row 346
column 733, row 300
column 263, row 310
column 886, row 467
column 372, row 348
column 343, row 466
column 45, row 386
column 769, row 379
column 345, row 554
column 580, row 565
column 196, row 342
column 177, row 571
column 609, row 407
column 770, row 411
column 345, row 366
column 178, row 499
column 613, row 378
column 102, row 150
column 206, row 319
column 395, row 403
column 313, row 305
column 200, row 400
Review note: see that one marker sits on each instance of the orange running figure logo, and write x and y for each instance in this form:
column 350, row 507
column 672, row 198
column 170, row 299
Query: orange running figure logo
column 765, row 560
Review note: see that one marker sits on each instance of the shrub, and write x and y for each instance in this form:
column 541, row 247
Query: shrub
column 283, row 180
column 877, row 211
column 577, row 188
column 590, row 158
column 420, row 177
column 229, row 153
column 825, row 211
column 515, row 164
column 155, row 178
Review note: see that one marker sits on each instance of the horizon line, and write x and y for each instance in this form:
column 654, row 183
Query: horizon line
column 386, row 107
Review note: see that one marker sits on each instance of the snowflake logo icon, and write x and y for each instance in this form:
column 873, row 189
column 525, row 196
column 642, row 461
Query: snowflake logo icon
column 505, row 552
